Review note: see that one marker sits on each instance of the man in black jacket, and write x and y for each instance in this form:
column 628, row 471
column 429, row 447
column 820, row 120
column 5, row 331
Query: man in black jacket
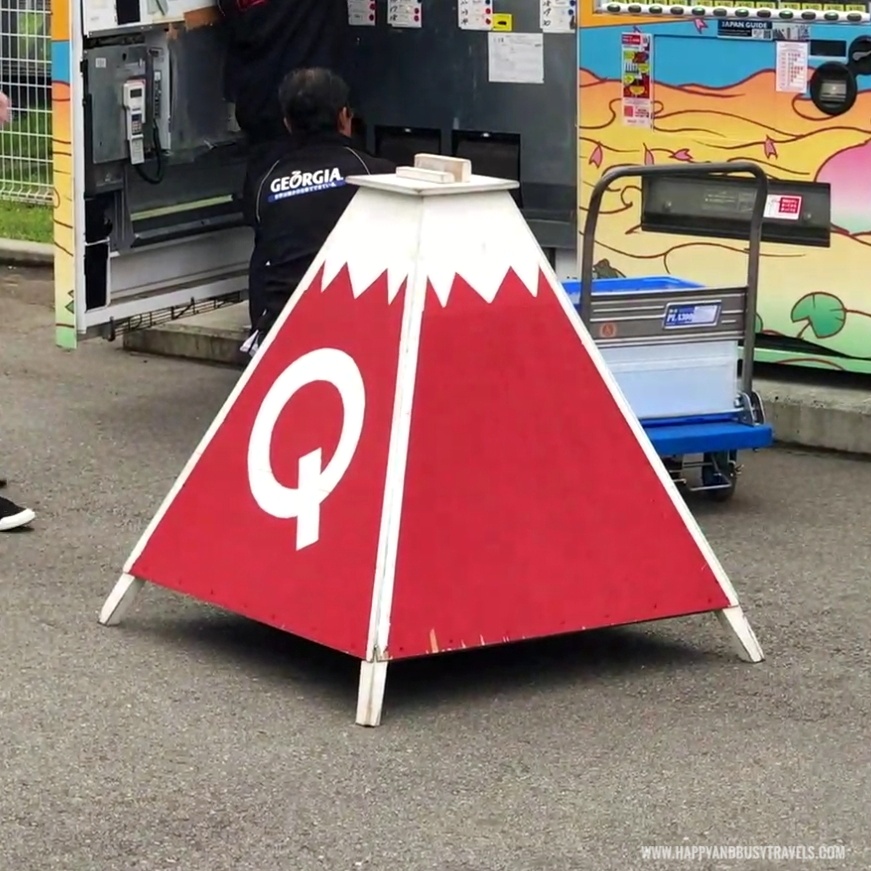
column 267, row 40
column 303, row 193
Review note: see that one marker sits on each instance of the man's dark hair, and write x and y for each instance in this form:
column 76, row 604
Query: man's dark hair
column 312, row 99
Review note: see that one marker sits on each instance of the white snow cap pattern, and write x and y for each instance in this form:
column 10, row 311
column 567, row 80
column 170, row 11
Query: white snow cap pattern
column 378, row 232
column 477, row 236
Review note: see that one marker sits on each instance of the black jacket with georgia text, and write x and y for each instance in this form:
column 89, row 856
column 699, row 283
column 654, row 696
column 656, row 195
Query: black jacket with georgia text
column 267, row 40
column 299, row 202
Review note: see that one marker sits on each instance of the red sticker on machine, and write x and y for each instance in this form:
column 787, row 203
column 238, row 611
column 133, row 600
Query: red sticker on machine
column 785, row 207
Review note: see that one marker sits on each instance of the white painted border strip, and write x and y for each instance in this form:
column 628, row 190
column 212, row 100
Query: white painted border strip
column 397, row 458
column 797, row 16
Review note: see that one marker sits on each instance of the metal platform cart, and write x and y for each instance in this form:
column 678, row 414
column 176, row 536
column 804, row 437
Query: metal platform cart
column 675, row 347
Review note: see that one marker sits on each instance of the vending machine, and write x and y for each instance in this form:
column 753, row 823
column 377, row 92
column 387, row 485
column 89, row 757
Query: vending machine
column 149, row 162
column 784, row 84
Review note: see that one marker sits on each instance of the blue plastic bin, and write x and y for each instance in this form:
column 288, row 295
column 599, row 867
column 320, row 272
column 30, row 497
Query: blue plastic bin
column 616, row 285
column 679, row 437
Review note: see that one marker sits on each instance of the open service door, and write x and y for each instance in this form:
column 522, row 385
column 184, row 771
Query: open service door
column 148, row 166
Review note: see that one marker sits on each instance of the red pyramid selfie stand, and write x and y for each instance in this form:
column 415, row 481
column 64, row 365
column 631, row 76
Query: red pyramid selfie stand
column 428, row 454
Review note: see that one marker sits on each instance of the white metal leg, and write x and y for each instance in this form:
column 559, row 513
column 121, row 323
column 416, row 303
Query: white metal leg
column 373, row 678
column 120, row 599
column 741, row 633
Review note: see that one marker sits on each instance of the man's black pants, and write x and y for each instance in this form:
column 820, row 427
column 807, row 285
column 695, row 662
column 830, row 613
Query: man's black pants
column 262, row 153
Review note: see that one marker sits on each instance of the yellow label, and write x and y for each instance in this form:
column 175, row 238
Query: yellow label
column 503, row 21
column 855, row 7
column 833, row 7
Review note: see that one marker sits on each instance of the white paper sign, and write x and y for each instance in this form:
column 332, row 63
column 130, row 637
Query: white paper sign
column 517, row 58
column 361, row 13
column 404, row 13
column 792, row 67
column 557, row 16
column 176, row 9
column 475, row 14
column 100, row 15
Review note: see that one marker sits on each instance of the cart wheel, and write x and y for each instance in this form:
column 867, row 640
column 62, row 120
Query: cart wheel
column 674, row 467
column 720, row 471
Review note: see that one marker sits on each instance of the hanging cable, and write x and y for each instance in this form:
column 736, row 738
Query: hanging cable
column 161, row 168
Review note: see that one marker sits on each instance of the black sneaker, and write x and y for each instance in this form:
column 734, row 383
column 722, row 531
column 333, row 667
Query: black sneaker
column 12, row 516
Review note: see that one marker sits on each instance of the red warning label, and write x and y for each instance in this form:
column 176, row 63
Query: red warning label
column 785, row 207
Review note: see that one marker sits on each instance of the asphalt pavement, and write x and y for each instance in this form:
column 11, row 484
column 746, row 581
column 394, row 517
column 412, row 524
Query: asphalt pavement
column 189, row 739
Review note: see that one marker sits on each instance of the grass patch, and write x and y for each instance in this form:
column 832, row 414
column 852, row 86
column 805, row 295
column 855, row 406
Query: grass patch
column 25, row 170
column 25, row 149
column 25, row 223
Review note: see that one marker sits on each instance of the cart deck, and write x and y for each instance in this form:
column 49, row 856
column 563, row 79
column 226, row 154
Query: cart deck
column 676, row 438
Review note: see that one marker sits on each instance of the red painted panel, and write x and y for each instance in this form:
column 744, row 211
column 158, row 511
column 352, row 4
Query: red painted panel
column 530, row 508
column 215, row 542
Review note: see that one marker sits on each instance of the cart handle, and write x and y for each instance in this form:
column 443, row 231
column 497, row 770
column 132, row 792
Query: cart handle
column 753, row 252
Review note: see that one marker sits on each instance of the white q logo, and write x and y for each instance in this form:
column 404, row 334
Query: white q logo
column 315, row 483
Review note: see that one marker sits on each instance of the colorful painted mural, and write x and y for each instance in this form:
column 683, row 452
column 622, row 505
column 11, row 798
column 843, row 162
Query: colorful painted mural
column 62, row 156
column 714, row 98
